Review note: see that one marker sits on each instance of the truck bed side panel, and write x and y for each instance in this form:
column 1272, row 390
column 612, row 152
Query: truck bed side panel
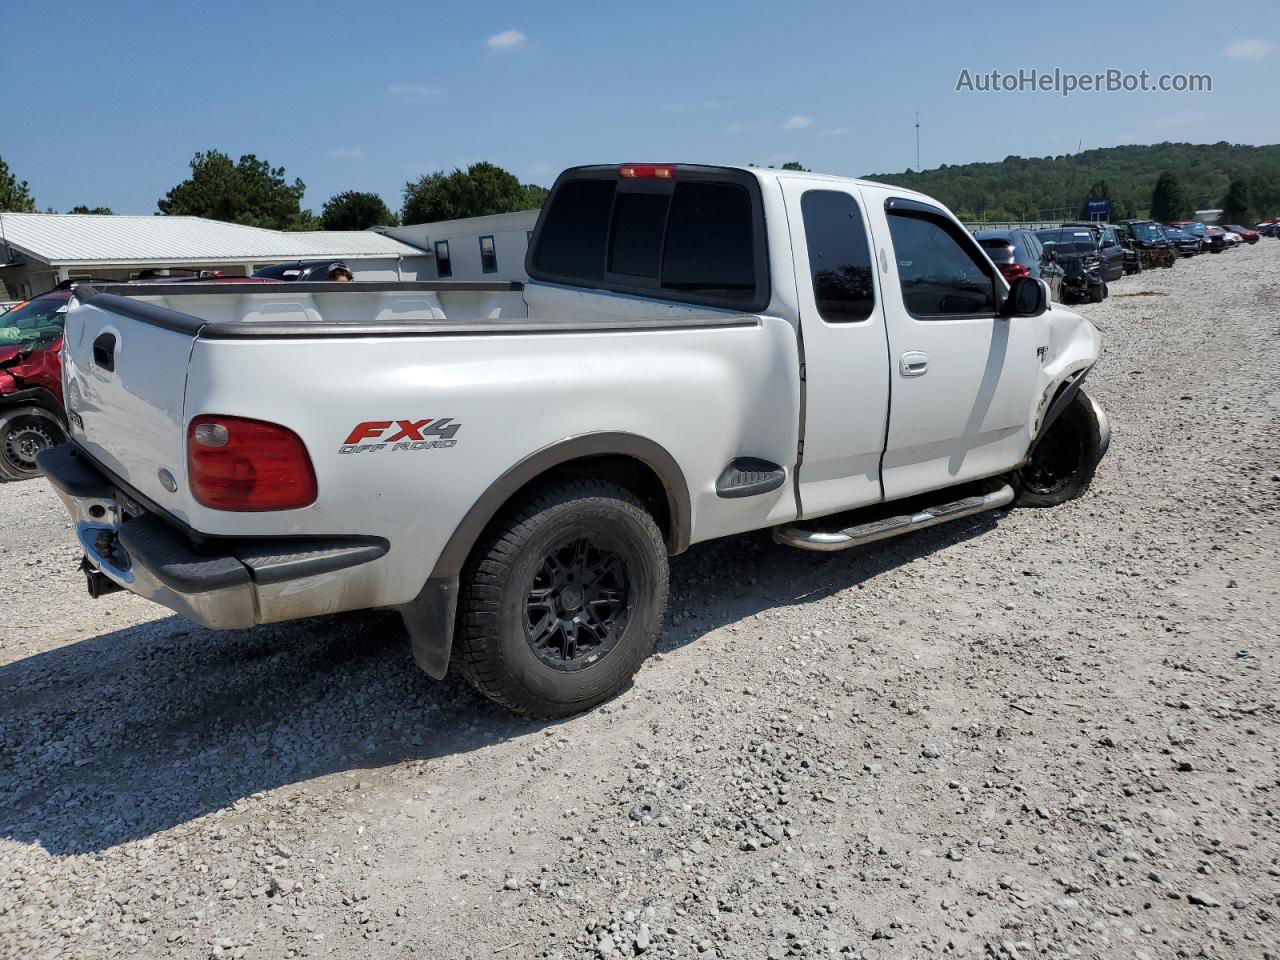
column 706, row 394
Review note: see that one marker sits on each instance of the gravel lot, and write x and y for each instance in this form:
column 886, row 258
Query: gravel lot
column 1034, row 733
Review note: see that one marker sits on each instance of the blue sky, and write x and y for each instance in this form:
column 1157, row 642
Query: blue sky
column 106, row 103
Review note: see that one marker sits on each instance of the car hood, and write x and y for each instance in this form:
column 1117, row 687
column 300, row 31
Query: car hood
column 9, row 352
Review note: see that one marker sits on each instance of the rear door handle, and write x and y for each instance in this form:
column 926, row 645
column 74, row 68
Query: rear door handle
column 104, row 351
column 914, row 364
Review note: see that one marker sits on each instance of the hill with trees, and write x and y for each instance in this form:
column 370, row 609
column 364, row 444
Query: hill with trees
column 1017, row 188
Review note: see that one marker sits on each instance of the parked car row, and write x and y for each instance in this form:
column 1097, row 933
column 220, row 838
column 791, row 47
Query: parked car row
column 1079, row 259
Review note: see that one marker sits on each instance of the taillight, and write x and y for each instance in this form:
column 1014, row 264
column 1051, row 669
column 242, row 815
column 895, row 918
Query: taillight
column 1012, row 271
column 643, row 170
column 234, row 463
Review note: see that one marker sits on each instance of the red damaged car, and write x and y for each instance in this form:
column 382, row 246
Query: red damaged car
column 31, row 414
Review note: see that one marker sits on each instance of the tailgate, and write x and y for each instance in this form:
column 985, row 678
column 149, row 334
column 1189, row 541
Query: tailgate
column 124, row 377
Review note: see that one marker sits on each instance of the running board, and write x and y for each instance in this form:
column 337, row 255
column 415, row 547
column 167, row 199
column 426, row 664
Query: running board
column 858, row 534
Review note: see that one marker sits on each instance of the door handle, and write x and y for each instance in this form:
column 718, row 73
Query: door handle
column 914, row 364
column 104, row 351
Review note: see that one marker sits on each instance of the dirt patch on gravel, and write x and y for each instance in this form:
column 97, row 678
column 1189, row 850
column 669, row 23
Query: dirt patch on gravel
column 1033, row 733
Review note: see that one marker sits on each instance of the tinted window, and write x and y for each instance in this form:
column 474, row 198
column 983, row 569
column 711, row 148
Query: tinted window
column 939, row 274
column 999, row 249
column 1023, row 251
column 839, row 258
column 444, row 266
column 708, row 247
column 572, row 241
column 488, row 256
column 638, row 219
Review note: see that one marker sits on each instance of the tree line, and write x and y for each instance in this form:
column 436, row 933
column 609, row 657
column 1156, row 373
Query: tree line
column 1166, row 181
column 251, row 191
column 1242, row 179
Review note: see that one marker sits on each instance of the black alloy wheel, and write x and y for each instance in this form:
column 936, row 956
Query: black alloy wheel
column 577, row 606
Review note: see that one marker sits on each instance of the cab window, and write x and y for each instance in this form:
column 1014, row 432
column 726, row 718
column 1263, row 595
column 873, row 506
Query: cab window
column 940, row 274
column 839, row 256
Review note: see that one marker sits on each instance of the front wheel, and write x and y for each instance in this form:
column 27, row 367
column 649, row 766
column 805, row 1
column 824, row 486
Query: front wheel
column 563, row 599
column 24, row 432
column 1063, row 463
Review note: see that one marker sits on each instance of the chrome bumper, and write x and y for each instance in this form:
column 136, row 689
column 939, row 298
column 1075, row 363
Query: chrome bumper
column 225, row 583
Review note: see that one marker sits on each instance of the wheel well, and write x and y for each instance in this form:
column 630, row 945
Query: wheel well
column 630, row 473
column 634, row 463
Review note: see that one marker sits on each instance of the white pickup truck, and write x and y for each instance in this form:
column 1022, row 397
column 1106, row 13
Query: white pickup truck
column 700, row 351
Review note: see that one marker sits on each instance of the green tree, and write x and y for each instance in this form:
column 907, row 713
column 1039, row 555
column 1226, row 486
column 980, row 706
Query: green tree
column 249, row 191
column 482, row 189
column 1235, row 204
column 1168, row 202
column 794, row 165
column 353, row 210
column 81, row 208
column 14, row 195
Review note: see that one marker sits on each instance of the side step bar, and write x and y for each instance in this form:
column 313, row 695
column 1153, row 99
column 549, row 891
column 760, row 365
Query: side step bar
column 858, row 534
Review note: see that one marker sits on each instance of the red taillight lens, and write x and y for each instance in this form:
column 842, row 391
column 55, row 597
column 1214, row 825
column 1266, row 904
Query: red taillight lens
column 644, row 170
column 1012, row 271
column 238, row 464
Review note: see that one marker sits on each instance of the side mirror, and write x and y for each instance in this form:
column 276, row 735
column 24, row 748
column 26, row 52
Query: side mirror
column 1028, row 297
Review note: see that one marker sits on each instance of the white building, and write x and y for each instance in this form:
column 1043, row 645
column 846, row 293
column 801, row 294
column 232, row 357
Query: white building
column 477, row 248
column 38, row 250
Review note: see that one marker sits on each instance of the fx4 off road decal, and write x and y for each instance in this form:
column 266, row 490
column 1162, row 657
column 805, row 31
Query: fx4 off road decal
column 395, row 435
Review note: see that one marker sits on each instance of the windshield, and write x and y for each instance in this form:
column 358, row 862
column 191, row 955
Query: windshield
column 1146, row 231
column 1068, row 242
column 35, row 324
column 1177, row 233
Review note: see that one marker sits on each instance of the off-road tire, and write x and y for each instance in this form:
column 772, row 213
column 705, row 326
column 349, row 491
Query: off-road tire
column 15, row 464
column 493, row 648
column 1075, row 441
column 1097, row 292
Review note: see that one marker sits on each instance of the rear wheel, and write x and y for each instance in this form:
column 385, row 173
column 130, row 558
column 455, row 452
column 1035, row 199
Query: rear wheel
column 24, row 432
column 563, row 599
column 1063, row 463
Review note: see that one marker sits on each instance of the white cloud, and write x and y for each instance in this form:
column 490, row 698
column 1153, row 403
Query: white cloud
column 413, row 91
column 1255, row 49
column 506, row 40
column 346, row 153
column 798, row 123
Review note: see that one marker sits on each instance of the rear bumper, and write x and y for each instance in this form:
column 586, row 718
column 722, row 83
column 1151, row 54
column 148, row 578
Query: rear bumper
column 220, row 582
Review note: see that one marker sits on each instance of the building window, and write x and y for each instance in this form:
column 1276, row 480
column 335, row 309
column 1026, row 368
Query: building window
column 444, row 266
column 488, row 255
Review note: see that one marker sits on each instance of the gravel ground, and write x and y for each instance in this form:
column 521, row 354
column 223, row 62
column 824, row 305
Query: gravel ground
column 1034, row 733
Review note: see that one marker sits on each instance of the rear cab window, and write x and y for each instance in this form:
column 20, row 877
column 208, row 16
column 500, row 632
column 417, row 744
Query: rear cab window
column 690, row 234
column 839, row 256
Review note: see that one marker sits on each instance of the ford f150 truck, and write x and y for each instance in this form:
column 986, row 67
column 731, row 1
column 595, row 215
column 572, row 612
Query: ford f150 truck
column 700, row 351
